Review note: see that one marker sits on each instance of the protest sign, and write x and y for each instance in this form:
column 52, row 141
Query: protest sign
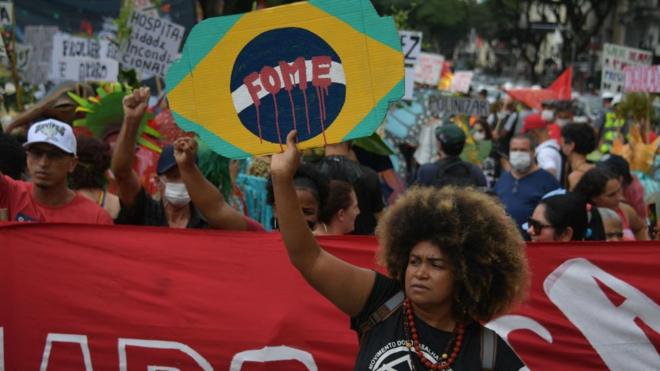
column 411, row 46
column 6, row 13
column 153, row 44
column 326, row 68
column 457, row 106
column 615, row 59
column 146, row 7
column 83, row 297
column 81, row 59
column 642, row 79
column 40, row 39
column 460, row 83
column 428, row 69
column 23, row 53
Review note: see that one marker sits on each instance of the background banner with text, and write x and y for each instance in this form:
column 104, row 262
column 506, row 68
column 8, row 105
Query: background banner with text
column 83, row 297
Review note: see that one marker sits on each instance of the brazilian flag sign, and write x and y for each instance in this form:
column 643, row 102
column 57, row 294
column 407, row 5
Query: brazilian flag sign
column 327, row 68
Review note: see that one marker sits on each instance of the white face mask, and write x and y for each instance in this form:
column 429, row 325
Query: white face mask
column 479, row 136
column 176, row 194
column 547, row 115
column 562, row 122
column 520, row 161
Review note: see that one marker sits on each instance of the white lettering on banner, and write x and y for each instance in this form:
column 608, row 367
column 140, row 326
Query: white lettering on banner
column 67, row 338
column 511, row 322
column 153, row 44
column 159, row 344
column 609, row 328
column 273, row 354
column 162, row 368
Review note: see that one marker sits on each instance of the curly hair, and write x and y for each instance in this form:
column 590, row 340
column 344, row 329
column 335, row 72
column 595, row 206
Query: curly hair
column 482, row 244
column 582, row 135
column 93, row 162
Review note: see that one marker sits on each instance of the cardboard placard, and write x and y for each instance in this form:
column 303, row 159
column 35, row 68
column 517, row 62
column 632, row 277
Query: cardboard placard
column 428, row 68
column 6, row 13
column 642, row 79
column 326, row 68
column 40, row 38
column 23, row 53
column 80, row 59
column 411, row 46
column 615, row 59
column 153, row 44
column 458, row 106
column 461, row 81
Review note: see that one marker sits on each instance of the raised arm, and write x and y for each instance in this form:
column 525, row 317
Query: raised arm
column 344, row 284
column 204, row 195
column 135, row 105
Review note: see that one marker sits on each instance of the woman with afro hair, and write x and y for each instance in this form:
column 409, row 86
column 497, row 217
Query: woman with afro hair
column 454, row 258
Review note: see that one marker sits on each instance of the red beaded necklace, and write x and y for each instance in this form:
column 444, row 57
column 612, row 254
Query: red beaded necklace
column 447, row 360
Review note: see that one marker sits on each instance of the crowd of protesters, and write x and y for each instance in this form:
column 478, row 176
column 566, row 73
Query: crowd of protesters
column 539, row 169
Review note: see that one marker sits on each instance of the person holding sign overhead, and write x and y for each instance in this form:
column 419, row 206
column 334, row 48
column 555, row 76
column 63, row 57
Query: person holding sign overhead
column 433, row 243
column 188, row 199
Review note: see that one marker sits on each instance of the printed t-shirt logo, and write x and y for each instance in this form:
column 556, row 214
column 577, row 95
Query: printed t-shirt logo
column 290, row 77
column 396, row 356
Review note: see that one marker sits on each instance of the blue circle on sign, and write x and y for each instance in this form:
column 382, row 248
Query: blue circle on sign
column 269, row 95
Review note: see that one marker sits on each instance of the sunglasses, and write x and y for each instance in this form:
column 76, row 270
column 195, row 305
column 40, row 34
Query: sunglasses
column 536, row 225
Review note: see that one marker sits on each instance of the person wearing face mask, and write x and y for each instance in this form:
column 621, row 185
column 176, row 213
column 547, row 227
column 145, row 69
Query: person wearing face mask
column 522, row 188
column 548, row 153
column 188, row 199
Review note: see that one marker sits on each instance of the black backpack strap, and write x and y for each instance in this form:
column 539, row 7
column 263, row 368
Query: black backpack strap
column 381, row 314
column 488, row 349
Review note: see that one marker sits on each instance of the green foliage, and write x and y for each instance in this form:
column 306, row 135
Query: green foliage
column 636, row 106
column 123, row 30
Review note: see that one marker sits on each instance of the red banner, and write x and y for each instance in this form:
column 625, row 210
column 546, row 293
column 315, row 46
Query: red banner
column 83, row 297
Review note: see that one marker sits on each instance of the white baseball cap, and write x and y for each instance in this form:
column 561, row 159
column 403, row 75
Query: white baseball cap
column 52, row 132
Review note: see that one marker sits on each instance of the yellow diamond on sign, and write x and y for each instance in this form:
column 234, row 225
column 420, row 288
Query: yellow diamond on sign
column 327, row 68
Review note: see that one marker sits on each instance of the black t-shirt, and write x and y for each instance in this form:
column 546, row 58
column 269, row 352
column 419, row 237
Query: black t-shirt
column 384, row 345
column 147, row 211
column 367, row 189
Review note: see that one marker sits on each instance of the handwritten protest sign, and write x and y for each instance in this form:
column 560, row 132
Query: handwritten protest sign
column 460, row 83
column 23, row 53
column 328, row 68
column 411, row 45
column 146, row 7
column 428, row 69
column 615, row 60
column 642, row 79
column 6, row 13
column 81, row 59
column 457, row 106
column 40, row 39
column 153, row 44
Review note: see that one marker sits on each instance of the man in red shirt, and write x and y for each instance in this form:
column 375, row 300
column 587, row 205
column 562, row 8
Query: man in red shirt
column 51, row 156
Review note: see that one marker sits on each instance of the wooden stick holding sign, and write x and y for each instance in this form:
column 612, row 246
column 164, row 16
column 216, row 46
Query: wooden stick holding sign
column 9, row 39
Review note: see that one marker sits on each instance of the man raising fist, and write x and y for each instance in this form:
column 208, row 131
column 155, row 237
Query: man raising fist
column 188, row 199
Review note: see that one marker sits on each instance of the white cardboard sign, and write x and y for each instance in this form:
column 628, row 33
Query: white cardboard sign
column 460, row 83
column 153, row 45
column 80, row 59
column 23, row 54
column 615, row 59
column 411, row 45
column 6, row 13
column 429, row 68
